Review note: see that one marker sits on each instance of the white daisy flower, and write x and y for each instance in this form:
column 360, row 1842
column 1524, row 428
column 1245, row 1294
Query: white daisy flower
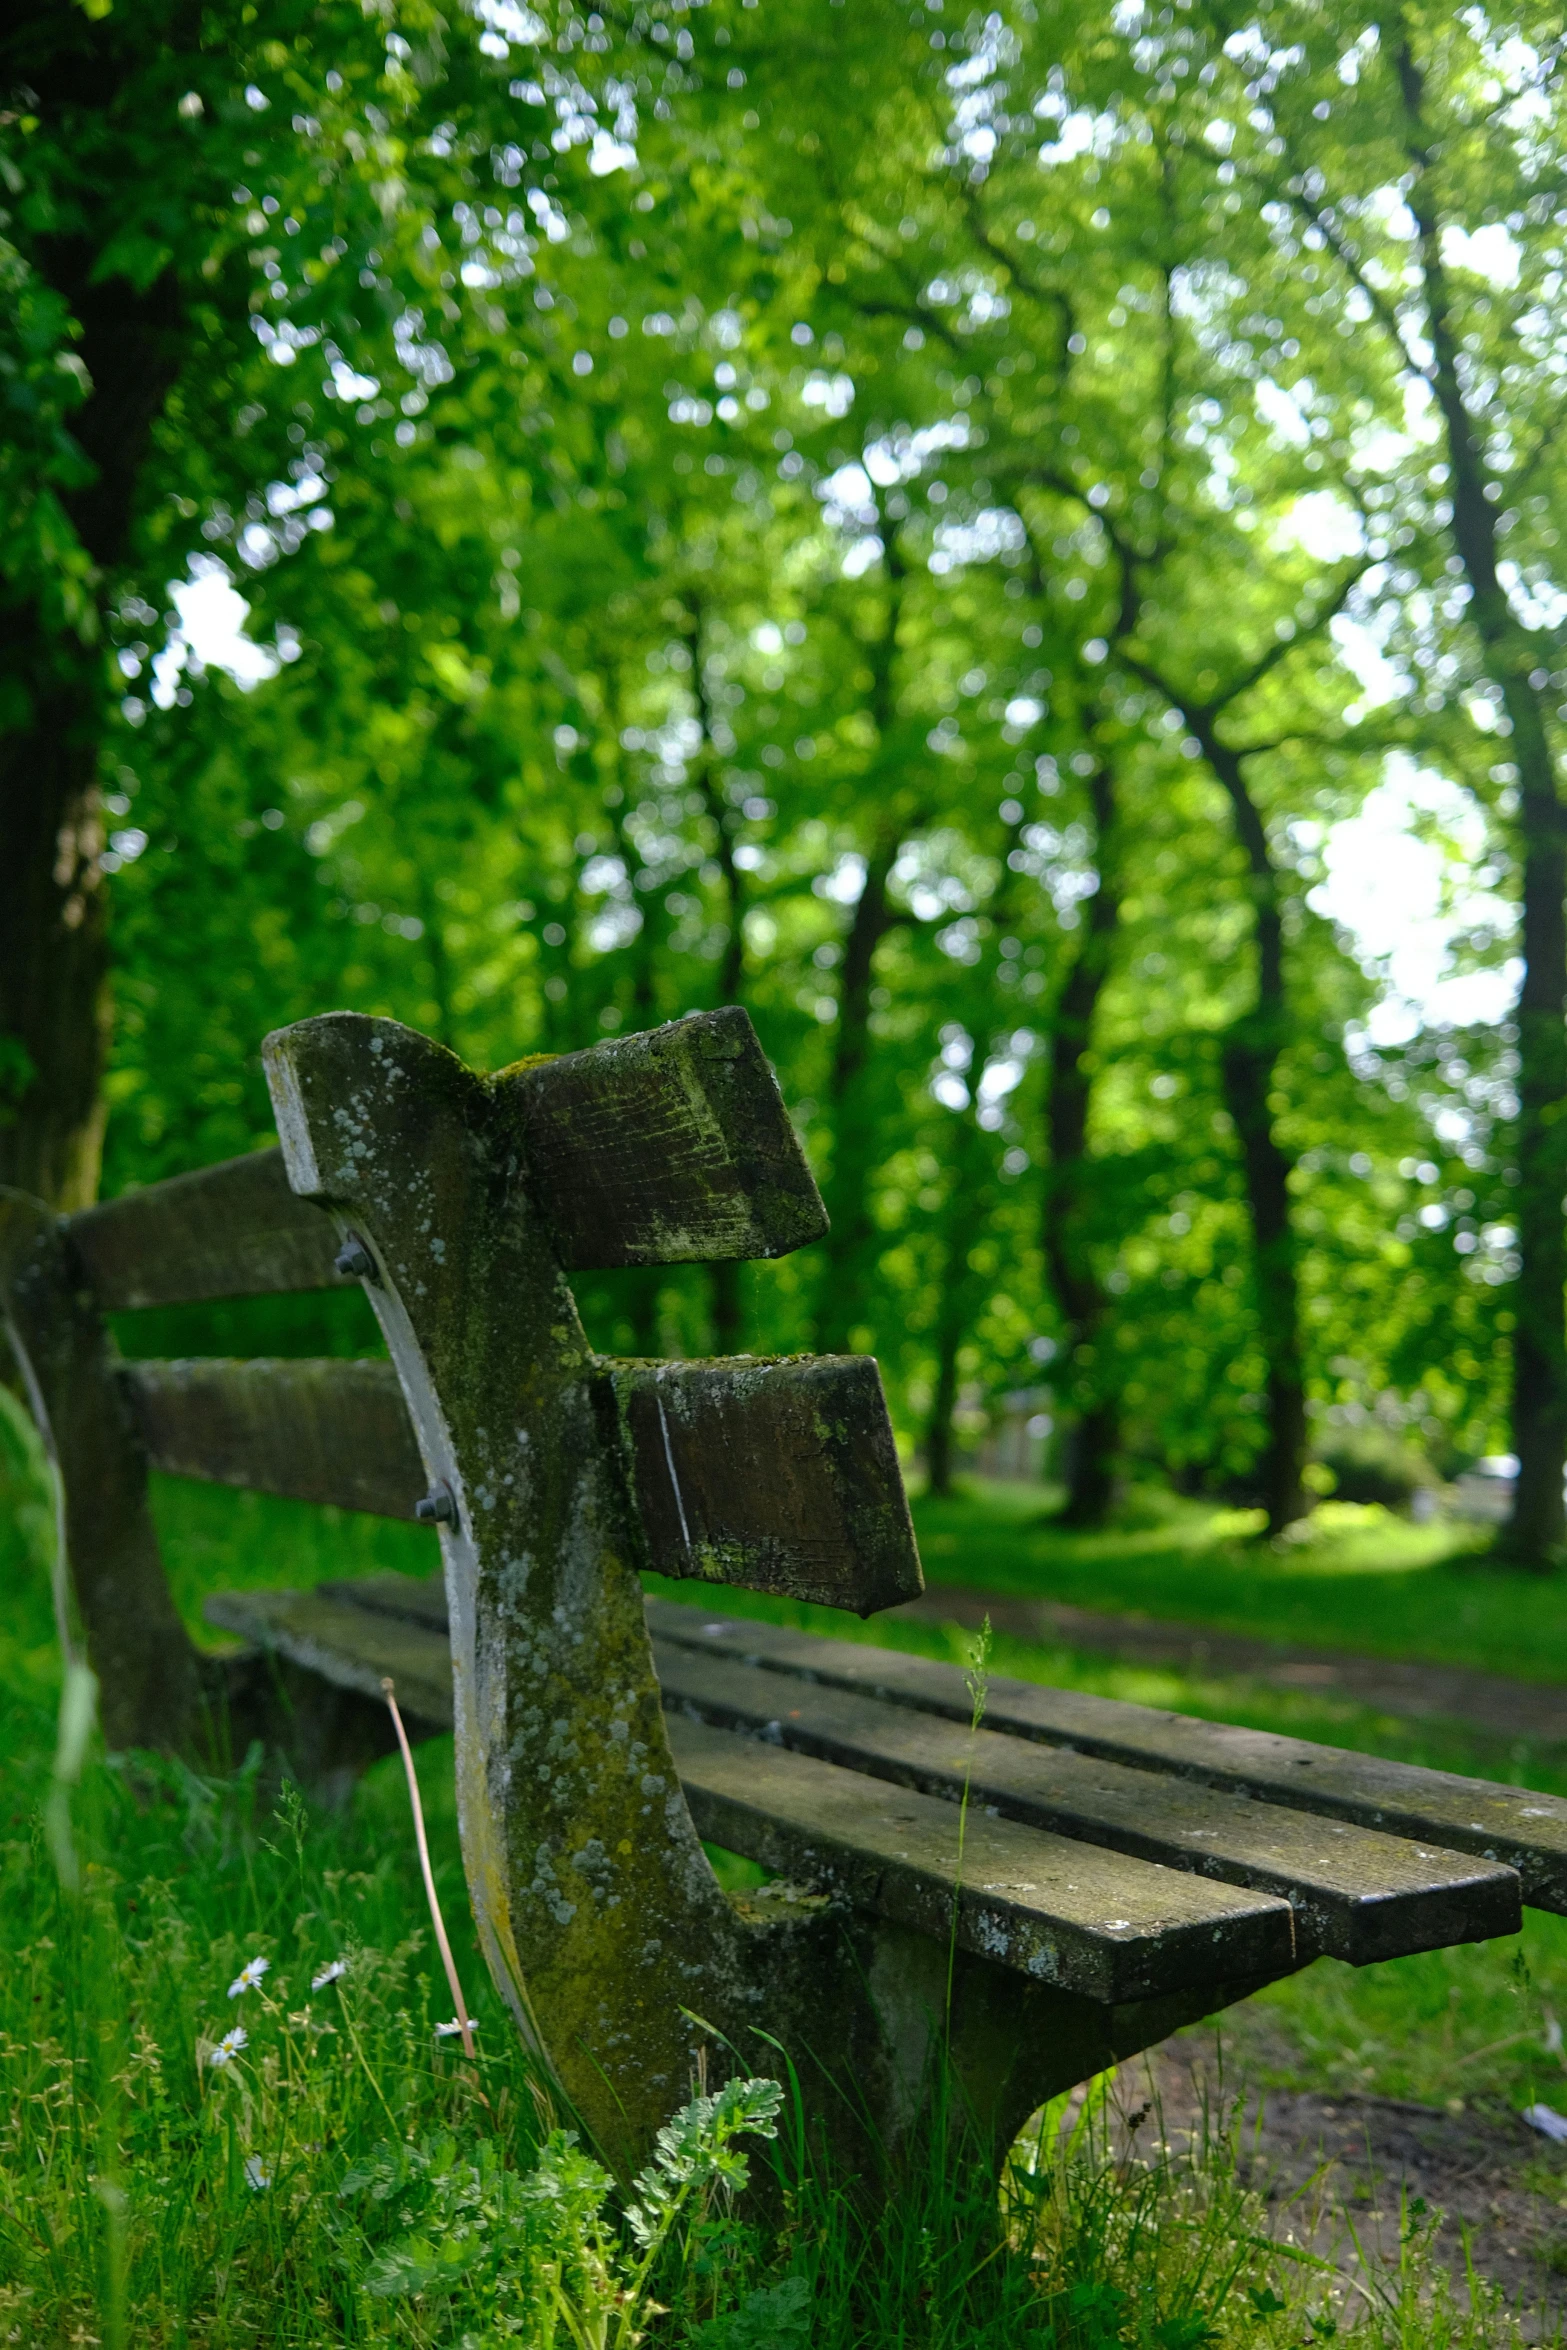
column 450, row 2031
column 329, row 1974
column 257, row 2172
column 249, row 1976
column 229, row 2046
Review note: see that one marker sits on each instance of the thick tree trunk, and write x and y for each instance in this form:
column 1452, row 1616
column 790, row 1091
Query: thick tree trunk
column 841, row 1286
column 1068, row 1188
column 54, row 991
column 54, row 700
column 1251, row 1052
column 726, row 1304
column 1537, row 1534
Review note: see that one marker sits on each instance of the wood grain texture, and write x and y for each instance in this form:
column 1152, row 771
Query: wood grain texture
column 1357, row 1894
column 1064, row 1913
column 1522, row 1830
column 333, row 1431
column 234, row 1230
column 672, row 1147
column 774, row 1475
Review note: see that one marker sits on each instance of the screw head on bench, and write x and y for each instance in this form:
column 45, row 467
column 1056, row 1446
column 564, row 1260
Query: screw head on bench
column 354, row 1261
column 437, row 1508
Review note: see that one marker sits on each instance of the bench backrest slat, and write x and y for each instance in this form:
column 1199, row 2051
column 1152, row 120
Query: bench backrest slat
column 771, row 1476
column 671, row 1147
column 234, row 1230
column 328, row 1431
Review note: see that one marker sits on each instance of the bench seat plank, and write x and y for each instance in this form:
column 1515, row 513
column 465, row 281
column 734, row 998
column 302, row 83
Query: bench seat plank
column 1515, row 1826
column 323, row 1431
column 1357, row 1894
column 1086, row 1919
column 233, row 1230
column 1065, row 1913
column 354, row 1647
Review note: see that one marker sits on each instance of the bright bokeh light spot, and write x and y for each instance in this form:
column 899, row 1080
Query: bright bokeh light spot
column 1387, row 888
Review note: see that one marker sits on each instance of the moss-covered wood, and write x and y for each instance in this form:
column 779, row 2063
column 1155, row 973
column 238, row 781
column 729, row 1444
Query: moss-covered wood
column 778, row 1475
column 670, row 1147
column 1513, row 1826
column 1356, row 1893
column 110, row 1585
column 600, row 1917
column 329, row 1431
column 233, row 1230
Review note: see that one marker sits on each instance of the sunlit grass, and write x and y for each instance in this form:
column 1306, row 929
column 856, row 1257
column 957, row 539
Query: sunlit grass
column 1358, row 1579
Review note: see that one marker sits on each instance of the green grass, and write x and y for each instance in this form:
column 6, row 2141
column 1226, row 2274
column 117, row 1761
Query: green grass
column 126, row 2212
column 1359, row 1579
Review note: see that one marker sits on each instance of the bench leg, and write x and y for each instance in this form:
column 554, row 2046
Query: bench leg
column 111, row 1592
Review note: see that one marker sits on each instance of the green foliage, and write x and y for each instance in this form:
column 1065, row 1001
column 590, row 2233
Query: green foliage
column 709, row 557
column 522, row 2256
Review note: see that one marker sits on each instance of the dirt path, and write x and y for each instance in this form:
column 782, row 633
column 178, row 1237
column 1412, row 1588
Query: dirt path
column 1347, row 2177
column 1485, row 1702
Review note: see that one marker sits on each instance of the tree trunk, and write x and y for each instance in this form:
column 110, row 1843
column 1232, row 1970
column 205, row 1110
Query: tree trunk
column 54, row 961
column 1537, row 1533
column 1250, row 1059
column 54, row 700
column 725, row 1302
column 1068, row 1187
column 841, row 1290
column 841, row 1287
column 938, row 1431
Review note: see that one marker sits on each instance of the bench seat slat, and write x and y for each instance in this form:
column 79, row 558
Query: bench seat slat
column 1066, row 1913
column 1515, row 1826
column 233, row 1230
column 1088, row 1920
column 324, row 1431
column 353, row 1647
column 1357, row 1894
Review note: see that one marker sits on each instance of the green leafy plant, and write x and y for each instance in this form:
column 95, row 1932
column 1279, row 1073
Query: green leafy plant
column 526, row 2256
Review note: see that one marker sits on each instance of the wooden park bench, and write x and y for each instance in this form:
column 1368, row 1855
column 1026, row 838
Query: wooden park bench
column 1116, row 1872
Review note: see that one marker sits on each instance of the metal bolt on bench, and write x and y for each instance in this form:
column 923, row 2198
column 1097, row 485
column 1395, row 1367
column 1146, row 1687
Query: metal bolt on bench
column 1123, row 1871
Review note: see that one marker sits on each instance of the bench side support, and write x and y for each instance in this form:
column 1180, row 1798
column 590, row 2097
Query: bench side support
column 601, row 1920
column 156, row 1689
column 115, row 1592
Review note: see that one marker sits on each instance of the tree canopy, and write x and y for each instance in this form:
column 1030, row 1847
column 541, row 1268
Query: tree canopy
column 918, row 522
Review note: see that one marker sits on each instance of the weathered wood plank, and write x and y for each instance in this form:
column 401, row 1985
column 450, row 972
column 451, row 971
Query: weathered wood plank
column 671, row 1147
column 352, row 1647
column 1357, row 1894
column 410, row 1599
column 773, row 1475
column 234, row 1230
column 332, row 1431
column 1515, row 1826
column 1065, row 1913
column 153, row 1684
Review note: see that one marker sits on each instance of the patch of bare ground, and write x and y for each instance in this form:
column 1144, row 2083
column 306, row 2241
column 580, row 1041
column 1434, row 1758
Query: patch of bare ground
column 1351, row 2179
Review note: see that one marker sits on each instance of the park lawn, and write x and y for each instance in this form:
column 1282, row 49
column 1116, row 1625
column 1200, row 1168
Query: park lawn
column 1470, row 2026
column 1351, row 1578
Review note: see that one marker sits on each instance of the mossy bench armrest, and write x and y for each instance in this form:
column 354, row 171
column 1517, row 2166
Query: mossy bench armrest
column 1113, row 1873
